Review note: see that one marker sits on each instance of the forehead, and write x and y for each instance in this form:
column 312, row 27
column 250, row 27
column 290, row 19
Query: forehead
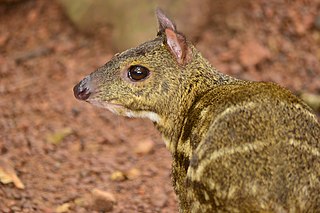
column 142, row 49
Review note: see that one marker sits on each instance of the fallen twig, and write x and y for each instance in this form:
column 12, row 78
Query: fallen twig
column 37, row 52
column 19, row 85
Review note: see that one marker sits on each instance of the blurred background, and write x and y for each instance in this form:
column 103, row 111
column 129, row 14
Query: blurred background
column 61, row 155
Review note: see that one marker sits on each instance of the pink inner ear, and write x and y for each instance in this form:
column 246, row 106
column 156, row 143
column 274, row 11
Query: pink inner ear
column 174, row 44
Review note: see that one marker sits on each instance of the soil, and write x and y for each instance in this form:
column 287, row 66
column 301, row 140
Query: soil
column 65, row 152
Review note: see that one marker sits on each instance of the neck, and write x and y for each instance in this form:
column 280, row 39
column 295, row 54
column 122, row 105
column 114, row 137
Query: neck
column 175, row 123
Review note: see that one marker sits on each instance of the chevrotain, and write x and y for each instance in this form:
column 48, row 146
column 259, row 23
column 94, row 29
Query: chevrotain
column 237, row 145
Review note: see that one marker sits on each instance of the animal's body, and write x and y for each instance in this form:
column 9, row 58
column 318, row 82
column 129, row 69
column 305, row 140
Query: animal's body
column 237, row 146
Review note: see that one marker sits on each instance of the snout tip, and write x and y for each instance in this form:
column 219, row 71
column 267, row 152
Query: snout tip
column 82, row 90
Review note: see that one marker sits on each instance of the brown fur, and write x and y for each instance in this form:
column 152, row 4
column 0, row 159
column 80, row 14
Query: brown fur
column 237, row 146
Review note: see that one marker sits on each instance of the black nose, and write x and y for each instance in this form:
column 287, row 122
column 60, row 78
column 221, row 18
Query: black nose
column 82, row 89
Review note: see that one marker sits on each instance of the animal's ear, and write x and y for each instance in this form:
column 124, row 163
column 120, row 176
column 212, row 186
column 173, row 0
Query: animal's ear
column 164, row 21
column 176, row 42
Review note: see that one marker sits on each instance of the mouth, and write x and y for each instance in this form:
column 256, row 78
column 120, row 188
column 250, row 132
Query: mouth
column 114, row 108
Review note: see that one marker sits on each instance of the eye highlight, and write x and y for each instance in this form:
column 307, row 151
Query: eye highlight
column 138, row 73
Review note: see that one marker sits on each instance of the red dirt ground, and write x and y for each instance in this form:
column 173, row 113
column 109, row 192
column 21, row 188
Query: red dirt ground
column 42, row 56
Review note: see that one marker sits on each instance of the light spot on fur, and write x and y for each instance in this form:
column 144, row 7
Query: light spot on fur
column 206, row 196
column 226, row 112
column 121, row 110
column 143, row 114
column 307, row 148
column 169, row 145
column 216, row 155
column 185, row 148
column 231, row 192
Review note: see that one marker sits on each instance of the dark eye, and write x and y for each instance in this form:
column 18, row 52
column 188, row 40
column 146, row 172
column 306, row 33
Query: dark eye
column 138, row 73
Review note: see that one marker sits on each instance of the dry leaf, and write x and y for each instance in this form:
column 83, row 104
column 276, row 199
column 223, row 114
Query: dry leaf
column 8, row 175
column 133, row 173
column 144, row 147
column 63, row 208
column 118, row 176
column 81, row 201
column 58, row 136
